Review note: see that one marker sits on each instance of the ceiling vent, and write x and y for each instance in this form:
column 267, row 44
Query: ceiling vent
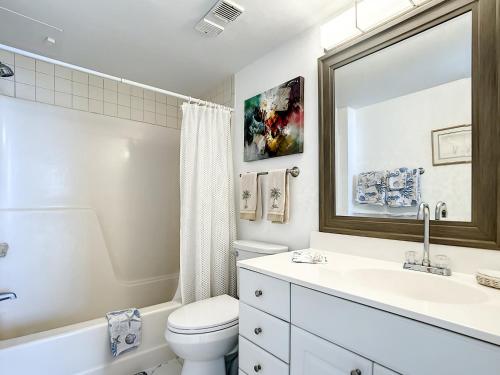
column 226, row 10
column 208, row 28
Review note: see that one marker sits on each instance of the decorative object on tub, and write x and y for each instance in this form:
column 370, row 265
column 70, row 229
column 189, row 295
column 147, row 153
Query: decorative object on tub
column 250, row 196
column 452, row 145
column 125, row 328
column 278, row 208
column 371, row 188
column 308, row 256
column 489, row 278
column 274, row 122
column 403, row 187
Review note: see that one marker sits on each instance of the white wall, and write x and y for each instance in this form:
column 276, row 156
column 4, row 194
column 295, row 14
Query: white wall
column 89, row 205
column 295, row 58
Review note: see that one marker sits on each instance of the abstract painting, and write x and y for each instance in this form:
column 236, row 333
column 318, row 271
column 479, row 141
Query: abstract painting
column 274, row 122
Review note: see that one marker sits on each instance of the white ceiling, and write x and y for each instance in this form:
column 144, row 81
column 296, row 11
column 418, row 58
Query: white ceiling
column 153, row 41
column 437, row 56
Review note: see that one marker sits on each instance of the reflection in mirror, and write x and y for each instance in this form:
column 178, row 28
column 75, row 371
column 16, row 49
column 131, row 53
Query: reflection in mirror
column 403, row 127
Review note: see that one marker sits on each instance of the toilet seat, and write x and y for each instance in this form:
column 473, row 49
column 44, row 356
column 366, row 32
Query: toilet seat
column 209, row 315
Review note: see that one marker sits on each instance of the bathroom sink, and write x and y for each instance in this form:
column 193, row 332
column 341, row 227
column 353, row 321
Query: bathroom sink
column 415, row 285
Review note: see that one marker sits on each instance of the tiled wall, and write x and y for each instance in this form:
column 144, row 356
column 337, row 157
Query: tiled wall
column 54, row 84
column 223, row 93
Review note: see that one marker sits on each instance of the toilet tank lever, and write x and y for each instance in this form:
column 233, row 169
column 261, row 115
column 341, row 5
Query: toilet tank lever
column 7, row 295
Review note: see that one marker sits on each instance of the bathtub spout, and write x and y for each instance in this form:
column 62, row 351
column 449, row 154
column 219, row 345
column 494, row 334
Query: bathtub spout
column 7, row 295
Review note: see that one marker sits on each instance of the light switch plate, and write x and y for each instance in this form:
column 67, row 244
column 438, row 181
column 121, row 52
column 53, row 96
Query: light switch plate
column 4, row 247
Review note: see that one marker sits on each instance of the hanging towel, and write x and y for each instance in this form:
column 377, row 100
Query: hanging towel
column 279, row 196
column 404, row 187
column 125, row 328
column 249, row 196
column 371, row 188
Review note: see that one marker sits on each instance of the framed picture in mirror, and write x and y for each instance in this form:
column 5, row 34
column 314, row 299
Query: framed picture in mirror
column 452, row 145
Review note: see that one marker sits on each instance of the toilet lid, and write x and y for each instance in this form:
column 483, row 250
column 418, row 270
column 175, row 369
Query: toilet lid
column 205, row 316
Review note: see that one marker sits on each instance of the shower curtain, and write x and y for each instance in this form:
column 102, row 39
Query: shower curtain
column 208, row 228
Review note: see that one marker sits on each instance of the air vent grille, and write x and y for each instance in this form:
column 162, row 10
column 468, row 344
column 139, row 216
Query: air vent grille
column 208, row 28
column 226, row 10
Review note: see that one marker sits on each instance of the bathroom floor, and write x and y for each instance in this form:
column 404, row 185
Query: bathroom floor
column 172, row 367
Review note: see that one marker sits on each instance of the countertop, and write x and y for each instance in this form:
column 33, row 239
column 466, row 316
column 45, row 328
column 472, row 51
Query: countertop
column 480, row 319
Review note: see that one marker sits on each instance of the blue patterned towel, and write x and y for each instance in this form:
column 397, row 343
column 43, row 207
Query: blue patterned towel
column 371, row 188
column 125, row 327
column 404, row 189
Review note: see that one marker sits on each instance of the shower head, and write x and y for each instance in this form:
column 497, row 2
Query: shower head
column 5, row 71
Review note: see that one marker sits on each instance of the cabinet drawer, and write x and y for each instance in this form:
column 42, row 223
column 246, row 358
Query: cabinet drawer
column 240, row 372
column 268, row 332
column 254, row 360
column 265, row 293
column 379, row 370
column 315, row 356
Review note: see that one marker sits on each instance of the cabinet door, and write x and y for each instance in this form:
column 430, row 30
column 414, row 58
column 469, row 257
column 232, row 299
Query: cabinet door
column 312, row 355
column 379, row 370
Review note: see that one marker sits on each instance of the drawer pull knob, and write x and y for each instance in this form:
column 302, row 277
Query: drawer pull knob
column 258, row 293
column 258, row 331
column 356, row 372
column 257, row 368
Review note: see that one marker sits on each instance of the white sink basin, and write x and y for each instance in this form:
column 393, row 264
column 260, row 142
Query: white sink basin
column 416, row 285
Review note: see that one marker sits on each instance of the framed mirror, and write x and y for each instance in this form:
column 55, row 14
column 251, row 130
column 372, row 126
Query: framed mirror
column 409, row 114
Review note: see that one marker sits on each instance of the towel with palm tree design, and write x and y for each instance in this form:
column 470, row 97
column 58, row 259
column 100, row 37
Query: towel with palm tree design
column 278, row 196
column 249, row 196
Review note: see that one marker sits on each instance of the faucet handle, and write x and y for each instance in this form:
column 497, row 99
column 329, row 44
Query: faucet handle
column 441, row 261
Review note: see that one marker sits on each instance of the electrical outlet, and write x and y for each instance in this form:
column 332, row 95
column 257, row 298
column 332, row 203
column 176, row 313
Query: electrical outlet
column 4, row 247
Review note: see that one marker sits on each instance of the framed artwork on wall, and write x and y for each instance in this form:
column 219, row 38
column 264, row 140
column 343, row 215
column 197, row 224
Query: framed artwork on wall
column 452, row 145
column 274, row 122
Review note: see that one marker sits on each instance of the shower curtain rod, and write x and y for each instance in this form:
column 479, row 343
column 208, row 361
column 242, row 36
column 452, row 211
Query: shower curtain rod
column 118, row 79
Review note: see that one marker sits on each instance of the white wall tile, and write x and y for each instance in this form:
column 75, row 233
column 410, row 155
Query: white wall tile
column 171, row 100
column 81, row 89
column 149, row 105
column 161, row 108
column 149, row 95
column 161, row 119
column 96, row 93
column 110, row 96
column 80, row 77
column 45, row 81
column 160, row 98
column 171, row 111
column 111, row 85
column 63, row 99
column 96, row 106
column 137, row 103
column 179, row 123
column 7, row 87
column 149, row 117
column 110, row 109
column 123, row 88
column 136, row 114
column 44, row 67
column 25, row 91
column 172, row 122
column 80, row 103
column 24, row 62
column 123, row 112
column 137, row 91
column 63, row 72
column 96, row 81
column 124, row 99
column 25, row 76
column 63, row 85
column 44, row 96
column 7, row 57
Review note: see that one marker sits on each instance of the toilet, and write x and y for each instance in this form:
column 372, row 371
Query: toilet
column 203, row 332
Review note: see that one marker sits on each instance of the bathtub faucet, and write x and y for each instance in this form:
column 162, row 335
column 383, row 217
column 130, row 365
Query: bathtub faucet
column 7, row 295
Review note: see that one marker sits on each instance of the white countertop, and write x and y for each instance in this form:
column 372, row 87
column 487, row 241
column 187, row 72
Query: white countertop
column 479, row 319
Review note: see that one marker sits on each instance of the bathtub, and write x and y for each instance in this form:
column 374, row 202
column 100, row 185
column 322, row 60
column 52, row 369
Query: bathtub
column 83, row 348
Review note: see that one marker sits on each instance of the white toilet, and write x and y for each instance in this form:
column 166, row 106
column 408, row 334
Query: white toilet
column 203, row 332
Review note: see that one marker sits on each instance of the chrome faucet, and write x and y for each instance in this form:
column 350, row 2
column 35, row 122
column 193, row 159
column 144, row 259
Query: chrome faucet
column 425, row 265
column 7, row 295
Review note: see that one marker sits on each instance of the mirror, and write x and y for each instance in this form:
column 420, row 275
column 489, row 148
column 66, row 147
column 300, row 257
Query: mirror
column 403, row 132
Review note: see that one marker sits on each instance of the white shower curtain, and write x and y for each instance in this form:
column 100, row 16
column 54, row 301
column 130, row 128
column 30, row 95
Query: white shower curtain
column 207, row 266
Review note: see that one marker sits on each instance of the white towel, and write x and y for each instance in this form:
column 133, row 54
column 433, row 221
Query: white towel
column 278, row 210
column 125, row 327
column 249, row 196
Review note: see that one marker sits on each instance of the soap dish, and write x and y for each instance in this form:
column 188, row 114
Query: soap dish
column 489, row 278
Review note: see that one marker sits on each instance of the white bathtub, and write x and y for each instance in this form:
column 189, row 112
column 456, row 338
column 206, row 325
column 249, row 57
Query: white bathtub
column 83, row 348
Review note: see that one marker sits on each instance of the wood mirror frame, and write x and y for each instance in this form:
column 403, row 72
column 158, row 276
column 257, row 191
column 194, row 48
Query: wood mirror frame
column 483, row 231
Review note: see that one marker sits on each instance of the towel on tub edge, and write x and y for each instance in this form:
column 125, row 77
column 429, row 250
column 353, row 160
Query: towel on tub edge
column 125, row 328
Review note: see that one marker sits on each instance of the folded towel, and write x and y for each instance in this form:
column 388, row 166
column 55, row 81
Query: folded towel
column 409, row 195
column 396, row 179
column 308, row 256
column 371, row 188
column 279, row 196
column 249, row 196
column 124, row 328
